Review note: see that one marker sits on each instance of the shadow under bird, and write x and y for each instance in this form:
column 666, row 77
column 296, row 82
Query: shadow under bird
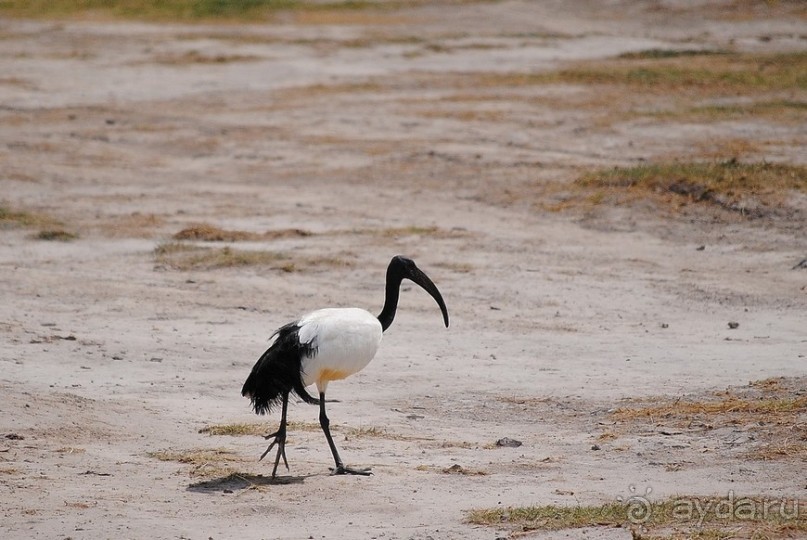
column 323, row 346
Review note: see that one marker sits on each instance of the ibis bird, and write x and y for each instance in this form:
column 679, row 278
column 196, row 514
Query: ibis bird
column 323, row 346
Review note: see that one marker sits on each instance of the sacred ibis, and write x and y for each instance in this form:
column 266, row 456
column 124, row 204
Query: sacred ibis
column 323, row 346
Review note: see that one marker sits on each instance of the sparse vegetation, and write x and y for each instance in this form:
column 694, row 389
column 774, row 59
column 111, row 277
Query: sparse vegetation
column 185, row 257
column 196, row 57
column 241, row 429
column 654, row 54
column 730, row 74
column 674, row 518
column 552, row 518
column 237, row 430
column 751, row 189
column 415, row 230
column 684, row 411
column 12, row 219
column 674, row 85
column 181, row 10
column 196, row 456
column 59, row 235
column 136, row 224
column 205, row 462
column 771, row 409
column 210, row 233
column 782, row 110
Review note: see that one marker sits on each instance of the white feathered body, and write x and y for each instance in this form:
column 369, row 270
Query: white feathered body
column 343, row 341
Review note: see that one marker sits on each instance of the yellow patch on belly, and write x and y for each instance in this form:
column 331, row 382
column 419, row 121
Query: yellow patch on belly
column 327, row 374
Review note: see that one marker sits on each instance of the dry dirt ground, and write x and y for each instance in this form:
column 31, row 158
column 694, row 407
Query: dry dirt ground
column 337, row 140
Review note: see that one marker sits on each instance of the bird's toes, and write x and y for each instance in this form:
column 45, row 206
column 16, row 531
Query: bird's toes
column 348, row 470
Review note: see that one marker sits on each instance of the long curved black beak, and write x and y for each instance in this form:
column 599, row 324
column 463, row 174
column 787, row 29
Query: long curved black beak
column 418, row 276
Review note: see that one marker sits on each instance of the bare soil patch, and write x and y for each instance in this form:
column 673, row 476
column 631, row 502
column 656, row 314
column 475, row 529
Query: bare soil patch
column 597, row 189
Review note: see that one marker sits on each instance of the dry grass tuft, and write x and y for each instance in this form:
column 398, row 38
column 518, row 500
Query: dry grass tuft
column 206, row 462
column 780, row 110
column 12, row 219
column 210, row 233
column 773, row 410
column 348, row 432
column 134, row 225
column 673, row 85
column 674, row 518
column 365, row 12
column 59, row 235
column 721, row 74
column 749, row 189
column 782, row 450
column 196, row 57
column 432, row 232
column 374, row 432
column 731, row 405
column 551, row 518
column 195, row 457
column 235, row 429
column 185, row 257
column 241, row 429
column 655, row 54
column 188, row 257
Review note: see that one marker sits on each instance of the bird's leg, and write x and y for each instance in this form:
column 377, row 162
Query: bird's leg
column 279, row 438
column 325, row 423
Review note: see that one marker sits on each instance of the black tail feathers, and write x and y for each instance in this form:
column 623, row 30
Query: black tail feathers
column 278, row 372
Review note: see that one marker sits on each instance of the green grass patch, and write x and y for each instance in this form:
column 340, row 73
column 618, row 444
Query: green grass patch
column 729, row 516
column 174, row 10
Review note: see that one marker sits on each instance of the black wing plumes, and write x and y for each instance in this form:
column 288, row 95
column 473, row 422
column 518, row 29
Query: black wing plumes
column 278, row 371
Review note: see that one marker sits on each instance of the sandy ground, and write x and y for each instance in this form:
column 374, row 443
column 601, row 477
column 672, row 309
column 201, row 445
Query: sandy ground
column 127, row 133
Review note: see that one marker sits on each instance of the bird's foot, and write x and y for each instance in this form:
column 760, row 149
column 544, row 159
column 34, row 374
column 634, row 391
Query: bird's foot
column 279, row 440
column 341, row 469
